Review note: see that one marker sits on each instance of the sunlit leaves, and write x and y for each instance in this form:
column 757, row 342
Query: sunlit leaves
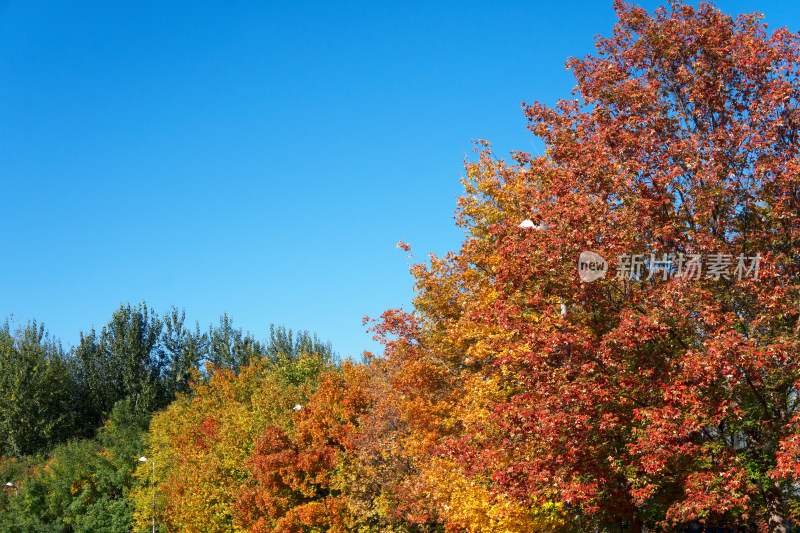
column 651, row 400
column 202, row 443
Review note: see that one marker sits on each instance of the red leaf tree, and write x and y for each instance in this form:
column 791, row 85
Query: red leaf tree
column 667, row 390
column 298, row 474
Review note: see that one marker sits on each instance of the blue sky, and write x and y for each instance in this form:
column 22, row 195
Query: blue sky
column 259, row 158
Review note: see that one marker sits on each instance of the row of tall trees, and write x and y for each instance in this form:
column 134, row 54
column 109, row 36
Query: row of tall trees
column 75, row 422
column 315, row 447
column 49, row 395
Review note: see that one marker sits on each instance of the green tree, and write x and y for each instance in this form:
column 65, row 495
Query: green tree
column 283, row 344
column 132, row 341
column 229, row 347
column 94, row 379
column 36, row 391
column 184, row 350
column 125, row 361
column 84, row 486
column 14, row 470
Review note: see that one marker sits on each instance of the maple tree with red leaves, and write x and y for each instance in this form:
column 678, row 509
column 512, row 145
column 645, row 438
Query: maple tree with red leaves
column 298, row 480
column 641, row 400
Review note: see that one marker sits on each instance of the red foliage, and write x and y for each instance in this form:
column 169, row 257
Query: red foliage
column 641, row 399
column 295, row 483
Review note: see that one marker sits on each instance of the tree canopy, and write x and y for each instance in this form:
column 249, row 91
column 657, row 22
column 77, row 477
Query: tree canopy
column 521, row 393
column 657, row 394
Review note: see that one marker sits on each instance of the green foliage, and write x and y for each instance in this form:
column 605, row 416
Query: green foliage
column 298, row 363
column 281, row 345
column 137, row 357
column 184, row 350
column 125, row 361
column 15, row 471
column 84, row 486
column 36, row 391
column 229, row 347
column 93, row 373
column 132, row 341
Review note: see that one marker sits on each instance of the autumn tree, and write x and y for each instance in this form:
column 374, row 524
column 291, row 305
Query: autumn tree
column 657, row 394
column 298, row 471
column 442, row 389
column 202, row 442
column 384, row 480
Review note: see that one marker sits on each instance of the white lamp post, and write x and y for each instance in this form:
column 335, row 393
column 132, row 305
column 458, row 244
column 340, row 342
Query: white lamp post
column 144, row 459
column 528, row 223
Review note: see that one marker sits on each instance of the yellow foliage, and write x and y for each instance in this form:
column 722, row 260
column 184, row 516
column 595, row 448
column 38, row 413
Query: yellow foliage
column 469, row 506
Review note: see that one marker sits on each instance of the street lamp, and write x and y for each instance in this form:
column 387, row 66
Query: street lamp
column 144, row 459
column 528, row 223
column 11, row 485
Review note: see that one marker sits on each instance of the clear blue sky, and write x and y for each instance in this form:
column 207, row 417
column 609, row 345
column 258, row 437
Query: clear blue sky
column 259, row 158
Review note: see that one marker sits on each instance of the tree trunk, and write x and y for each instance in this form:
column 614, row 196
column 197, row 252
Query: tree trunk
column 776, row 519
column 636, row 523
